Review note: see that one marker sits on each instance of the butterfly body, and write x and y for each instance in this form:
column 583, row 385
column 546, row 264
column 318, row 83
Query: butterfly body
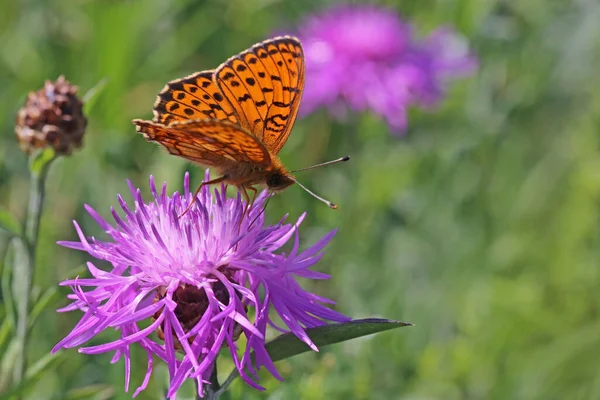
column 235, row 118
column 244, row 175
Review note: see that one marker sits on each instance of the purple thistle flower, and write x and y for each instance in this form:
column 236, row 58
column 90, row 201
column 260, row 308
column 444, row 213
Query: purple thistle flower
column 366, row 58
column 193, row 280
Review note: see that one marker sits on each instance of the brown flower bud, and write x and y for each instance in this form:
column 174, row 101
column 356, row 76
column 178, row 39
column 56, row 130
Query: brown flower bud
column 51, row 117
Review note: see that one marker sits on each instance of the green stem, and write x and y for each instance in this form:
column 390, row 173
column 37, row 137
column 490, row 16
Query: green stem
column 24, row 265
column 211, row 391
column 225, row 386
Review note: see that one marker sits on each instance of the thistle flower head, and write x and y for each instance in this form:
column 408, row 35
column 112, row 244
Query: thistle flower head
column 366, row 58
column 189, row 285
column 52, row 117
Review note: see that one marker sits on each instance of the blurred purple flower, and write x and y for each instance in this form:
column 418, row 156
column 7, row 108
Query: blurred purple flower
column 193, row 281
column 366, row 58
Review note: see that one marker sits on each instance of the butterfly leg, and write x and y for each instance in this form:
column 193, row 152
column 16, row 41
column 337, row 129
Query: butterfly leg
column 211, row 182
column 261, row 212
column 249, row 203
column 254, row 192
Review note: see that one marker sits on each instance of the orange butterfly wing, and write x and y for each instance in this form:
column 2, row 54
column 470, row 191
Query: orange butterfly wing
column 193, row 97
column 209, row 141
column 242, row 112
column 264, row 86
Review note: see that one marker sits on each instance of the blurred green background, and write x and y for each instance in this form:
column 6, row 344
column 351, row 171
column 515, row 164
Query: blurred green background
column 480, row 226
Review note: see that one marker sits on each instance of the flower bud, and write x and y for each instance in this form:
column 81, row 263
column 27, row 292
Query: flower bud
column 52, row 117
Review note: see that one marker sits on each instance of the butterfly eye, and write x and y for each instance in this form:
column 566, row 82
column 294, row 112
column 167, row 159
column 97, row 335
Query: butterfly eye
column 277, row 181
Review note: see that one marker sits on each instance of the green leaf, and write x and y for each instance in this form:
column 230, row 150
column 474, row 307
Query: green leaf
column 289, row 345
column 49, row 297
column 9, row 223
column 6, row 280
column 48, row 361
column 20, row 273
column 35, row 372
column 6, row 364
column 91, row 96
column 41, row 160
column 97, row 392
column 6, row 329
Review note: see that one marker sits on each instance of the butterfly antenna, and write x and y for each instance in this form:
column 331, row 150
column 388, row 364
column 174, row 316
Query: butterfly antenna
column 346, row 158
column 330, row 204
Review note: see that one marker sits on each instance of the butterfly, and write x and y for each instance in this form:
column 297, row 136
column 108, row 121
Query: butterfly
column 237, row 117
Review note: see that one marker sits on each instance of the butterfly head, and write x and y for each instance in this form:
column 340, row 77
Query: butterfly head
column 277, row 180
